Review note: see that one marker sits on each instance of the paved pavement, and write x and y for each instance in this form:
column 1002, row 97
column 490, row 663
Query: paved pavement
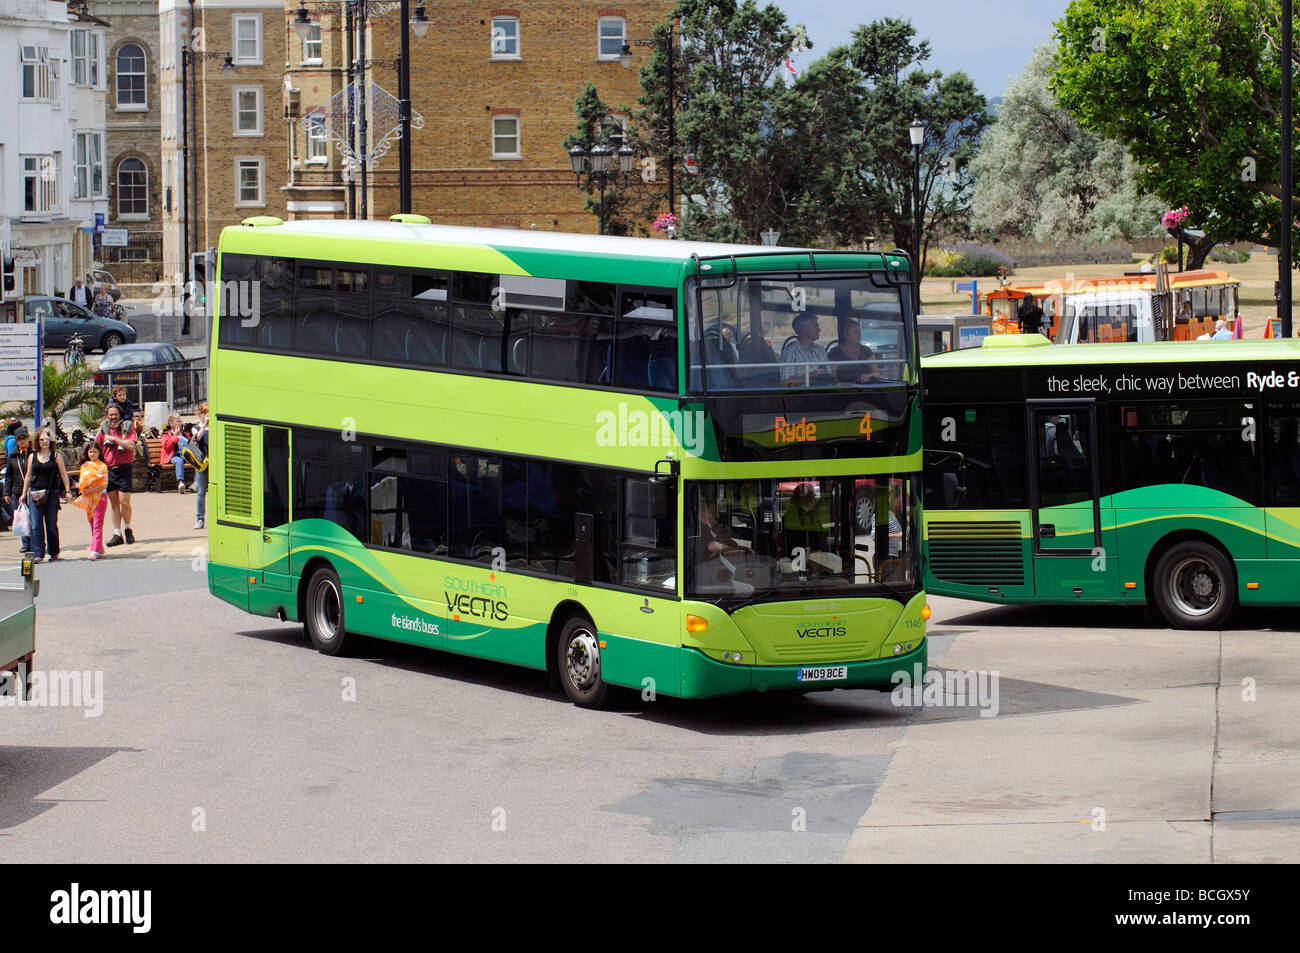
column 225, row 737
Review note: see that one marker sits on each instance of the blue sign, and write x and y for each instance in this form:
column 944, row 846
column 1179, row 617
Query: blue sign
column 99, row 220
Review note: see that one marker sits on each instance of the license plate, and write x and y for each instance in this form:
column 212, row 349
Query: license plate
column 832, row 673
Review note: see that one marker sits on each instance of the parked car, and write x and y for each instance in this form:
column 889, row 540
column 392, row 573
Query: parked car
column 63, row 318
column 144, row 369
column 97, row 278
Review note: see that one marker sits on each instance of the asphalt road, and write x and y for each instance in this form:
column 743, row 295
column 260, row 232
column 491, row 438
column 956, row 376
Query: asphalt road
column 225, row 737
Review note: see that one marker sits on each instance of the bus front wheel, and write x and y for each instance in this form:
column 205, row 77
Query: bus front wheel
column 324, row 616
column 578, row 661
column 1195, row 586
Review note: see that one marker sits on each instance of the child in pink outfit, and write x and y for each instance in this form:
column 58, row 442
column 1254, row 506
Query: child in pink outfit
column 92, row 480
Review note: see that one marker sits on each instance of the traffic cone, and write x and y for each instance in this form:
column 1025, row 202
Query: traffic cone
column 1268, row 328
column 1236, row 331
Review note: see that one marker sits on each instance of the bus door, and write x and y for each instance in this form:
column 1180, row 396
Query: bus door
column 274, row 560
column 1063, row 486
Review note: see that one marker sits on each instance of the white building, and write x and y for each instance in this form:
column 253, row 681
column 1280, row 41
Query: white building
column 52, row 117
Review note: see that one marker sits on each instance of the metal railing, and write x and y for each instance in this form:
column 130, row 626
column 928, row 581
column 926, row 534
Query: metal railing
column 182, row 389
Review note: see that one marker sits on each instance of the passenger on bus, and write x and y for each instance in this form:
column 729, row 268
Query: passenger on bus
column 850, row 348
column 804, row 357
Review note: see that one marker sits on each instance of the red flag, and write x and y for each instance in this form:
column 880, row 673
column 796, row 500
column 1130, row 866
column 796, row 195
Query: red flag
column 790, row 67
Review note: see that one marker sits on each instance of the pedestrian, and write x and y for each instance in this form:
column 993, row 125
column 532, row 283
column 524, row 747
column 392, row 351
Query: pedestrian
column 1221, row 331
column 80, row 294
column 92, row 481
column 10, row 429
column 45, row 471
column 198, row 449
column 103, row 304
column 174, row 443
column 117, row 443
column 15, row 468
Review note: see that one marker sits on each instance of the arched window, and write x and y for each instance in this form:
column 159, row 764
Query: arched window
column 132, row 189
column 130, row 78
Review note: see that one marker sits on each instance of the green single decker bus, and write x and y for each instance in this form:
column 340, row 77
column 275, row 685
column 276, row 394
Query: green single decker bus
column 1115, row 473
column 676, row 468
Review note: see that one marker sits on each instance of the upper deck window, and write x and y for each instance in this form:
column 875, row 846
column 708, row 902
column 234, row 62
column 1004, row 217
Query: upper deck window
column 798, row 331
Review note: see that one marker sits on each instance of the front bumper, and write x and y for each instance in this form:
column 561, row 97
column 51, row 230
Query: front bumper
column 703, row 677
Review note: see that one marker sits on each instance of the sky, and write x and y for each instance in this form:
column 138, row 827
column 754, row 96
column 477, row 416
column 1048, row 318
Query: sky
column 991, row 41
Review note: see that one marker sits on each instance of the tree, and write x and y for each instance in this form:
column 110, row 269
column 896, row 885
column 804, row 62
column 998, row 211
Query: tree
column 878, row 82
column 65, row 392
column 1039, row 175
column 731, row 56
column 1191, row 89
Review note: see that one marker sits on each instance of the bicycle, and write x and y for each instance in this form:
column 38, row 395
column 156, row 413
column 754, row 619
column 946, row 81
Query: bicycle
column 75, row 352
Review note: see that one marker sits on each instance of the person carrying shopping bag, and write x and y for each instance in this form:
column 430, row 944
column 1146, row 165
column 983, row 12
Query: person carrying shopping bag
column 92, row 481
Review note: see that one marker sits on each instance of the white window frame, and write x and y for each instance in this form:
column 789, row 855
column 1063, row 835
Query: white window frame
column 518, row 137
column 235, row 93
column 98, row 69
column 493, row 52
column 117, row 182
column 240, row 163
column 600, row 26
column 87, row 159
column 44, row 171
column 313, row 39
column 44, row 72
column 118, row 105
column 318, row 145
column 237, row 57
column 79, row 42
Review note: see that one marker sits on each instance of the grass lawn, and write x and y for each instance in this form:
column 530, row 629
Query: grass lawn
column 1255, row 299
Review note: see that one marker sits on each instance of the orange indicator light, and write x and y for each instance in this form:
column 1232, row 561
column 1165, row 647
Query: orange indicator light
column 602, row 644
column 695, row 623
column 1130, row 585
column 1252, row 585
column 926, row 613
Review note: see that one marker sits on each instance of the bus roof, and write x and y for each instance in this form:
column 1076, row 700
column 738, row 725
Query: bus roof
column 1200, row 278
column 263, row 234
column 1034, row 350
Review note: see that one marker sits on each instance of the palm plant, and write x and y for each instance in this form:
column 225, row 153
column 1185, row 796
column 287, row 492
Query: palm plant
column 66, row 392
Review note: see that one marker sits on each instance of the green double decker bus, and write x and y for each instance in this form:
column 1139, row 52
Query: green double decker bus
column 1166, row 473
column 649, row 464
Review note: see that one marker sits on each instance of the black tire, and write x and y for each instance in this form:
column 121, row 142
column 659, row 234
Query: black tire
column 109, row 341
column 1195, row 586
column 323, row 612
column 578, row 663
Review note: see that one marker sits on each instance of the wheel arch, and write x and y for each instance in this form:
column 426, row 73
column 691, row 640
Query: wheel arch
column 1172, row 539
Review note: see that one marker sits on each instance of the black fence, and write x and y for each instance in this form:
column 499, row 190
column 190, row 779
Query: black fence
column 182, row 389
column 139, row 262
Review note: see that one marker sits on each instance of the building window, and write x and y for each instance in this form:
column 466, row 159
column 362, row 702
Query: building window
column 80, row 66
column 247, row 35
column 130, row 78
column 248, row 182
column 612, row 34
column 505, row 137
column 88, row 165
column 132, row 189
column 505, row 38
column 248, row 110
column 317, row 140
column 40, row 183
column 39, row 73
column 311, row 50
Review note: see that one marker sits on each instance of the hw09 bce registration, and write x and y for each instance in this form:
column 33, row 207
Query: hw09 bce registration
column 832, row 673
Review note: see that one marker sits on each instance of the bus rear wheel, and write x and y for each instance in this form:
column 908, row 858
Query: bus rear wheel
column 1195, row 586
column 578, row 662
column 324, row 615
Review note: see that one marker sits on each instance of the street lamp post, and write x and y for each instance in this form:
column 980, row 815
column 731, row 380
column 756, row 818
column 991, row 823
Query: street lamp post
column 625, row 57
column 1284, row 249
column 419, row 24
column 188, row 55
column 602, row 167
column 917, row 131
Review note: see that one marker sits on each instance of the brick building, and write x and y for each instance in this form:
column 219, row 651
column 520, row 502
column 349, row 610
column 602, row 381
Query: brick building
column 495, row 87
column 238, row 157
column 132, row 147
